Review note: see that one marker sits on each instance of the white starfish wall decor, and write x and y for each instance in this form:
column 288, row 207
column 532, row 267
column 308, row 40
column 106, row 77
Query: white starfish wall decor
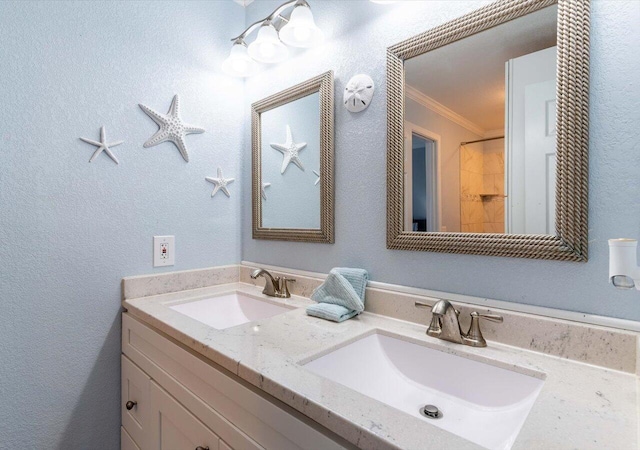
column 103, row 146
column 318, row 180
column 220, row 183
column 289, row 151
column 172, row 128
column 262, row 192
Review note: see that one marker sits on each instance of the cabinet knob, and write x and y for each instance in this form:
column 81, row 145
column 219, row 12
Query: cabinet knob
column 199, row 447
column 130, row 405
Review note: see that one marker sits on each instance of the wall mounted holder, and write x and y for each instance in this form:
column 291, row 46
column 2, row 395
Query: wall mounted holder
column 624, row 272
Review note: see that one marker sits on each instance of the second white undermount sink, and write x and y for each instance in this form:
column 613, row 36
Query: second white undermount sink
column 477, row 401
column 229, row 310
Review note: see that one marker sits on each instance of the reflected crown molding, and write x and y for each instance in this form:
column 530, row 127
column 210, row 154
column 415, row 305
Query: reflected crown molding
column 445, row 112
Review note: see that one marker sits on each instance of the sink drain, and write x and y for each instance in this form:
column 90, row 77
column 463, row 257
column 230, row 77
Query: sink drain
column 431, row 412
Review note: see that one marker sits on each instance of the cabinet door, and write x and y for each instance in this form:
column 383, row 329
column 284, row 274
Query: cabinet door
column 135, row 401
column 172, row 427
column 126, row 442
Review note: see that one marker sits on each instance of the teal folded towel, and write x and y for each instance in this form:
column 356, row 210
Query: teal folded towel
column 328, row 311
column 341, row 296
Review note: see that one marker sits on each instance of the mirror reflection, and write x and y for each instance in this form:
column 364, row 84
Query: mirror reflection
column 479, row 131
column 290, row 164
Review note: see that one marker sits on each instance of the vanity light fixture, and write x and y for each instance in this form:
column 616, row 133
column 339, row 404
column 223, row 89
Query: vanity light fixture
column 624, row 272
column 274, row 31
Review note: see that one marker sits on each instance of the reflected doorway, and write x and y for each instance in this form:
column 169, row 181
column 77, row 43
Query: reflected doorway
column 422, row 173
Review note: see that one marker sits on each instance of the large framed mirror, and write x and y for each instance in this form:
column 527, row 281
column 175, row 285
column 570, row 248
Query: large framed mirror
column 292, row 163
column 487, row 135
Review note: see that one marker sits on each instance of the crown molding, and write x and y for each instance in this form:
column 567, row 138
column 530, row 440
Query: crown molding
column 442, row 110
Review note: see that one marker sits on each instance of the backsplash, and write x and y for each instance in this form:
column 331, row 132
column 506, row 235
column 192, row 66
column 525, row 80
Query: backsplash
column 605, row 347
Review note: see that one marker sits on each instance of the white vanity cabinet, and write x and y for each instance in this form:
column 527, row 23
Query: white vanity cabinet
column 174, row 399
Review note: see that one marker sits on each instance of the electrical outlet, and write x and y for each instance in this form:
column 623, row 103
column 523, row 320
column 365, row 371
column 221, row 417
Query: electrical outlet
column 164, row 251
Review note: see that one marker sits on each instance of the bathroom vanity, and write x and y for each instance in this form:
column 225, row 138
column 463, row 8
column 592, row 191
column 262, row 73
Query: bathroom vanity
column 223, row 366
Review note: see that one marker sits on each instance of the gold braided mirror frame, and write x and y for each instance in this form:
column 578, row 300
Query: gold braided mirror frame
column 572, row 93
column 323, row 84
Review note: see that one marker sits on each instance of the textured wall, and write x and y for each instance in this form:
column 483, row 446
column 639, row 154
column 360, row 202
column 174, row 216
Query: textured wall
column 358, row 34
column 71, row 230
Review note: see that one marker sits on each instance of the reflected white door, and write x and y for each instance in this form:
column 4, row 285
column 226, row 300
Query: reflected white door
column 530, row 143
column 540, row 157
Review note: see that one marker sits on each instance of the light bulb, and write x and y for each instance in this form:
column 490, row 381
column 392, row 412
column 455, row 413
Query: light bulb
column 239, row 64
column 267, row 48
column 301, row 31
column 302, row 34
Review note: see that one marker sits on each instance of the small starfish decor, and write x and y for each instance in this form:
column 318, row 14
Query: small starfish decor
column 103, row 146
column 172, row 128
column 220, row 183
column 263, row 194
column 290, row 151
column 318, row 180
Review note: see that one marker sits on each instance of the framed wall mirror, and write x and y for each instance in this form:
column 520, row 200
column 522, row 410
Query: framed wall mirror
column 487, row 138
column 292, row 163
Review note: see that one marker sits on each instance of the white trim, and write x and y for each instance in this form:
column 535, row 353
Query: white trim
column 508, row 146
column 439, row 108
column 591, row 319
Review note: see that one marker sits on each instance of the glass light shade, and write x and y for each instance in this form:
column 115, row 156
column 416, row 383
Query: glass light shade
column 239, row 63
column 267, row 48
column 301, row 31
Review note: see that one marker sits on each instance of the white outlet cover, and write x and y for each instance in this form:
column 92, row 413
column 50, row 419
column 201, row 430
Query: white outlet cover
column 164, row 251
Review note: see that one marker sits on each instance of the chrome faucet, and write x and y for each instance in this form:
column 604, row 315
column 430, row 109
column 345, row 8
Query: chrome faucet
column 273, row 287
column 445, row 324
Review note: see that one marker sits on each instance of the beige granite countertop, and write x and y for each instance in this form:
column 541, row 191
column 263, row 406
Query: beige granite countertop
column 581, row 406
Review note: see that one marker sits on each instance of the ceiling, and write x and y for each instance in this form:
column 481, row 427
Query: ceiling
column 468, row 76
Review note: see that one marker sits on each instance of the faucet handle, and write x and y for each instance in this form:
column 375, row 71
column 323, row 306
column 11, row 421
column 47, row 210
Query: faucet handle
column 284, row 287
column 474, row 336
column 492, row 317
column 435, row 328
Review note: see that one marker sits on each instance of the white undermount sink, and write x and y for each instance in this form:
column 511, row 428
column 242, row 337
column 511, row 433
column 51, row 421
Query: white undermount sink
column 477, row 401
column 229, row 310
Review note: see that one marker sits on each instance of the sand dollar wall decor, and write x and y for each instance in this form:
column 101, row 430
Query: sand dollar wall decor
column 358, row 93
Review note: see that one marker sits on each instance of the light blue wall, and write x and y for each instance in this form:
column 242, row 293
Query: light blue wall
column 293, row 199
column 358, row 35
column 71, row 230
